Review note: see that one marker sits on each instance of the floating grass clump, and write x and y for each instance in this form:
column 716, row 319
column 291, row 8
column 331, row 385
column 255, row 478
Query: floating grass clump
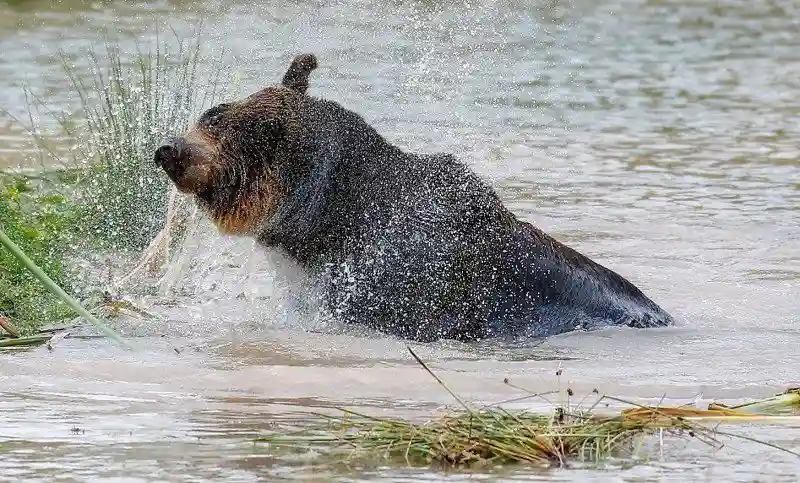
column 486, row 437
column 492, row 436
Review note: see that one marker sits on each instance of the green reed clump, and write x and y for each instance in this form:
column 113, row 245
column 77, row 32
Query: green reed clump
column 107, row 196
column 488, row 437
column 485, row 436
column 130, row 105
column 37, row 221
column 492, row 435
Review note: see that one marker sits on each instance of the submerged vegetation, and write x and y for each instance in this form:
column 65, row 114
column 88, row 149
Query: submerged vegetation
column 107, row 196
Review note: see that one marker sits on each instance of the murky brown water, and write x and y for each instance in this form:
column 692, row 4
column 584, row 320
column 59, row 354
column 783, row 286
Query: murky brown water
column 658, row 137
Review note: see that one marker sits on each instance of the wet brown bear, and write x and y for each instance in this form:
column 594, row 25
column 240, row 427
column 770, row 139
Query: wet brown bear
column 410, row 244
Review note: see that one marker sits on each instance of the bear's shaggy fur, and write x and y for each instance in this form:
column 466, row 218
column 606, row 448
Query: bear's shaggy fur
column 410, row 244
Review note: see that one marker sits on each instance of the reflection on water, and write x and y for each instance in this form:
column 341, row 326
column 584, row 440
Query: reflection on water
column 659, row 137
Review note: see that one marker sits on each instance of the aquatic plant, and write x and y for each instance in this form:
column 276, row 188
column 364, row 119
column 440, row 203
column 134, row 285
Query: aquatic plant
column 130, row 106
column 487, row 437
column 492, row 435
column 107, row 195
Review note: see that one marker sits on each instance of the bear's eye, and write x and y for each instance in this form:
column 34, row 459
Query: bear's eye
column 212, row 116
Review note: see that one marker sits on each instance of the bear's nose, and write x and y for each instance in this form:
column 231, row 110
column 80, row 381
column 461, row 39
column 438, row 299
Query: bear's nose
column 168, row 155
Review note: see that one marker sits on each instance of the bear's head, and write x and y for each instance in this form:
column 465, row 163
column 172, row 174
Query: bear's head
column 233, row 159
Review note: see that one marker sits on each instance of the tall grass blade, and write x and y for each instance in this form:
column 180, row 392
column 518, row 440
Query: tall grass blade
column 429, row 371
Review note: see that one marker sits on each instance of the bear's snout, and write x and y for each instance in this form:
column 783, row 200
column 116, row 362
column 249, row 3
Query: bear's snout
column 170, row 156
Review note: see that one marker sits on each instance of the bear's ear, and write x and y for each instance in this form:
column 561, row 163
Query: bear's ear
column 296, row 78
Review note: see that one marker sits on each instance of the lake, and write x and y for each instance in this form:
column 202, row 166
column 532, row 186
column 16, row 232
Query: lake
column 660, row 138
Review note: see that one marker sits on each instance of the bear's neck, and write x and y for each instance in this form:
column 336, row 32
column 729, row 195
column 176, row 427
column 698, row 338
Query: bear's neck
column 325, row 215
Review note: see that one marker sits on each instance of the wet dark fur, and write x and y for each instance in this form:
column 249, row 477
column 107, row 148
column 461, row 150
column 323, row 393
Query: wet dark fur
column 414, row 245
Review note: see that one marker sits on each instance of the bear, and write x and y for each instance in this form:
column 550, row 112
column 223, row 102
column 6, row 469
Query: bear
column 409, row 244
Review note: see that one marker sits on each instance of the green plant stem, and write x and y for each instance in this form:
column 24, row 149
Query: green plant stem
column 22, row 341
column 56, row 290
